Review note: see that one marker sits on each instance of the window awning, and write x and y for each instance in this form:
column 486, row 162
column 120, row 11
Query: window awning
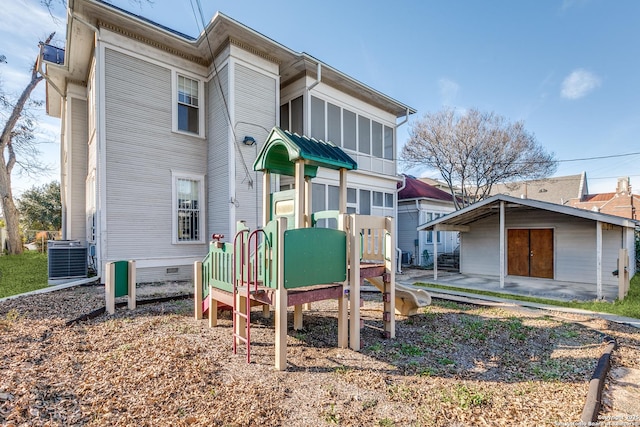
column 283, row 148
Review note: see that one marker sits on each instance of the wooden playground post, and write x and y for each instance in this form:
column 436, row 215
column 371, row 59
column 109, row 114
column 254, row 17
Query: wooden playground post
column 197, row 297
column 389, row 280
column 354, row 283
column 302, row 186
column 343, row 306
column 623, row 274
column 213, row 311
column 281, row 302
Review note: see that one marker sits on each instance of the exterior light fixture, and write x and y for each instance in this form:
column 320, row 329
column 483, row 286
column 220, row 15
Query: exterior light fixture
column 248, row 140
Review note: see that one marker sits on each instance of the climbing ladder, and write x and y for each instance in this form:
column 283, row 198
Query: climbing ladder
column 250, row 267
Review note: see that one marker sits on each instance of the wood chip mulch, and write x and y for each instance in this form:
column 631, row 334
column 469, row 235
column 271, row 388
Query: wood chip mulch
column 453, row 364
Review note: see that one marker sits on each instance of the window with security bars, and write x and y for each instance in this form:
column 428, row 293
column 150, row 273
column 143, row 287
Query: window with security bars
column 188, row 106
column 188, row 195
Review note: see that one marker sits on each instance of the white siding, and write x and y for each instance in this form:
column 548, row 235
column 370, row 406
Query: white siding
column 78, row 171
column 574, row 245
column 141, row 152
column 479, row 248
column 255, row 111
column 218, row 155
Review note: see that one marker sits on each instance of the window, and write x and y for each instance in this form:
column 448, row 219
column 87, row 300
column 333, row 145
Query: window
column 284, row 116
column 364, row 204
column 388, row 143
column 297, row 116
column 430, row 217
column 188, row 217
column 188, row 105
column 377, row 198
column 376, row 139
column 333, row 198
column 349, row 135
column 317, row 118
column 388, row 200
column 364, row 135
column 334, row 124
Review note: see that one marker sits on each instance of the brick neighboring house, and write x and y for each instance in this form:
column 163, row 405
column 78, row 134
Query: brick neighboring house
column 620, row 203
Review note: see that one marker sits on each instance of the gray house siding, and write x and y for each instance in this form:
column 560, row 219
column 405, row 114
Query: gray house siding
column 141, row 152
column 407, row 234
column 218, row 155
column 78, row 174
column 574, row 246
column 255, row 113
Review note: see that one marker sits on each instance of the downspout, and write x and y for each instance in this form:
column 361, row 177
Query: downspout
column 398, row 250
column 73, row 15
column 406, row 119
column 318, row 77
column 97, row 255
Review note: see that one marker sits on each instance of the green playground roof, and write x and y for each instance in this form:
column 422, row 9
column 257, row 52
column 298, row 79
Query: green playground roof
column 283, row 148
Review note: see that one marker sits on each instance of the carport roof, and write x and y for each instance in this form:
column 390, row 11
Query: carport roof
column 491, row 206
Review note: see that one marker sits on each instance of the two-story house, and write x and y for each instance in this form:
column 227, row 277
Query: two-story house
column 160, row 131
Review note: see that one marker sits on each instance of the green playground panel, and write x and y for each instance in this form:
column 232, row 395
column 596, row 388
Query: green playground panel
column 121, row 277
column 221, row 267
column 314, row 256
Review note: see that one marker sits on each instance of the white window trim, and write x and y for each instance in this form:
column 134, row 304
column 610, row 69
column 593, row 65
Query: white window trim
column 174, row 206
column 174, row 103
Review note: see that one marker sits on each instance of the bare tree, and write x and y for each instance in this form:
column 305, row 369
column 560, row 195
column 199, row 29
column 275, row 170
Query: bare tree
column 17, row 138
column 474, row 151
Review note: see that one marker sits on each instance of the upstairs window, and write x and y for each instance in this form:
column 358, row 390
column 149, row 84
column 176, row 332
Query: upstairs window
column 188, row 105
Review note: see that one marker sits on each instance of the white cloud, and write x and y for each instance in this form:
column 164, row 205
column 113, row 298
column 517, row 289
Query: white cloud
column 579, row 83
column 448, row 90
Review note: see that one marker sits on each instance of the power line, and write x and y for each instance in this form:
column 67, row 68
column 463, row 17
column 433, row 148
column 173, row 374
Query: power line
column 597, row 157
column 613, row 177
column 224, row 98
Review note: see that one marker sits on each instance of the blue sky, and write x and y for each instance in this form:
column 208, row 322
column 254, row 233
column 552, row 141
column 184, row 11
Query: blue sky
column 569, row 69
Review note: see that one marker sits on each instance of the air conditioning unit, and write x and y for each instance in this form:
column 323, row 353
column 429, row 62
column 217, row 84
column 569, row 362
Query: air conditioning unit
column 67, row 259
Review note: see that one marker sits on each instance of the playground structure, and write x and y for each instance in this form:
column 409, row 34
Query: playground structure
column 291, row 261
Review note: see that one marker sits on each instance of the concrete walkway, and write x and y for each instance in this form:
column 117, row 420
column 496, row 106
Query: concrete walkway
column 540, row 288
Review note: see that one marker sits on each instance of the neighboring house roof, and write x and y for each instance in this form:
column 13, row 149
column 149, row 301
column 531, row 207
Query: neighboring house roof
column 489, row 207
column 621, row 203
column 600, row 197
column 417, row 189
column 87, row 15
column 283, row 148
column 557, row 189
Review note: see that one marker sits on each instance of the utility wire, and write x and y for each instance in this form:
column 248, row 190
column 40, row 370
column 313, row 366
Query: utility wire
column 598, row 157
column 224, row 99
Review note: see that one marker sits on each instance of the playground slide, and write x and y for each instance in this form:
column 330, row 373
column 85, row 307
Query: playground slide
column 408, row 300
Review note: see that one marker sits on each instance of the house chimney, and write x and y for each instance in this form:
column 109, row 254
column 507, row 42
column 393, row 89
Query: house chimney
column 623, row 185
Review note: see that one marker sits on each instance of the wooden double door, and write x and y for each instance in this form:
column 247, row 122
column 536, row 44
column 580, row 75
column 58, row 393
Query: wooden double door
column 530, row 252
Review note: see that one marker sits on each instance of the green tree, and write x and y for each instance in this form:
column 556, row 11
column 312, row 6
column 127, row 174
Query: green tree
column 41, row 207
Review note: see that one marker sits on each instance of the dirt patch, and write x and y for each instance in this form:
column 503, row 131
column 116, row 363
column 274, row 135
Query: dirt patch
column 453, row 364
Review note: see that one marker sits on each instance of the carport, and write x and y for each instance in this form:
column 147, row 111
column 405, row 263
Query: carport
column 513, row 238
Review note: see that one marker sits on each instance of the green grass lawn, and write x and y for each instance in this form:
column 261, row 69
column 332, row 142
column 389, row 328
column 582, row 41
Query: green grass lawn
column 630, row 307
column 22, row 273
